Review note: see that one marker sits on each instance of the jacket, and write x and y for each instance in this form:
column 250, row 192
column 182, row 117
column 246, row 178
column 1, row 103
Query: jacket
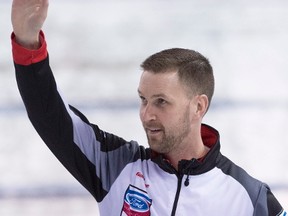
column 124, row 177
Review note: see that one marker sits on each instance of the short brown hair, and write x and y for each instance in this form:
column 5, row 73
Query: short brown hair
column 194, row 70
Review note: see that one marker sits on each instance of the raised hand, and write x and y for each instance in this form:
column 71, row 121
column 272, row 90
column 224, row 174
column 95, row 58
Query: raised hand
column 28, row 17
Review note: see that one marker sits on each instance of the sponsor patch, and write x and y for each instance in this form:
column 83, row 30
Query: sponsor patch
column 136, row 202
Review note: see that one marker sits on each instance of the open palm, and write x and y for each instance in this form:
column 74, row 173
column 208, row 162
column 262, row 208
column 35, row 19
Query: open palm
column 28, row 17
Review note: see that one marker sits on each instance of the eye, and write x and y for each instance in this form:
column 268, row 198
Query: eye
column 143, row 100
column 160, row 102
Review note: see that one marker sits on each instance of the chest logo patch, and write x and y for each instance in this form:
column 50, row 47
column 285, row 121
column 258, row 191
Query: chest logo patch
column 136, row 202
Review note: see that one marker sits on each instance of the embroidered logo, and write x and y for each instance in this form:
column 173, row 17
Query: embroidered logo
column 140, row 175
column 136, row 202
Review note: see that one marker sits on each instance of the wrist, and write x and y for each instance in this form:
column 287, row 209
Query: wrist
column 26, row 56
column 33, row 43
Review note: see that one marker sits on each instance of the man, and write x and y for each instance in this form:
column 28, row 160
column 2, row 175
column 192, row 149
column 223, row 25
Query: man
column 183, row 171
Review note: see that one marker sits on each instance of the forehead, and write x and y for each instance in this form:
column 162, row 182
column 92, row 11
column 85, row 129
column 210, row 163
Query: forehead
column 160, row 83
column 161, row 76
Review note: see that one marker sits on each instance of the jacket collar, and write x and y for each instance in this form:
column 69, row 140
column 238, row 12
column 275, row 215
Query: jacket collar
column 210, row 137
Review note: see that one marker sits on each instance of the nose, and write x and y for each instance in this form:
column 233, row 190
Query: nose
column 147, row 113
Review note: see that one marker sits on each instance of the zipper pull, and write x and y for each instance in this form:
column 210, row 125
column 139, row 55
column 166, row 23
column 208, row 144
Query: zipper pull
column 186, row 183
column 189, row 166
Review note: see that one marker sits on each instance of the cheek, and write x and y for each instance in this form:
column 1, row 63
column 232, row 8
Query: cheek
column 141, row 115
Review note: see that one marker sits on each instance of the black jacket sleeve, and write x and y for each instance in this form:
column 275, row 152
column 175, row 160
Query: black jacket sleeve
column 50, row 117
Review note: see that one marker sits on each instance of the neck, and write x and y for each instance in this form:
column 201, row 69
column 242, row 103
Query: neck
column 187, row 154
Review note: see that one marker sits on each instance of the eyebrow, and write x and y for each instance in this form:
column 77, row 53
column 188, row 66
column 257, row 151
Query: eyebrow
column 155, row 95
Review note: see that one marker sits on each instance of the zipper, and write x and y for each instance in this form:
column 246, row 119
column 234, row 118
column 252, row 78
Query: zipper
column 184, row 167
column 179, row 186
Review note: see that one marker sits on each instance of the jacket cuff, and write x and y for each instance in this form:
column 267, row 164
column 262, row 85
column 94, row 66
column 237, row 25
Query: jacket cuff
column 23, row 56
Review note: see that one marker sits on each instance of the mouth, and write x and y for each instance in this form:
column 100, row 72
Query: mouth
column 153, row 131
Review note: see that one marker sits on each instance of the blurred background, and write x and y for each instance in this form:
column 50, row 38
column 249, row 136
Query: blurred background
column 95, row 50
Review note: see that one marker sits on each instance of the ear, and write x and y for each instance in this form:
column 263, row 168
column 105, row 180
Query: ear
column 202, row 103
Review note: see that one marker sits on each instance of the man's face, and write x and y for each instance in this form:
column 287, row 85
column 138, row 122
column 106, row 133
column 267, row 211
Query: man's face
column 165, row 111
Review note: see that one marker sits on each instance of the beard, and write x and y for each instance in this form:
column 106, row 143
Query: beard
column 171, row 137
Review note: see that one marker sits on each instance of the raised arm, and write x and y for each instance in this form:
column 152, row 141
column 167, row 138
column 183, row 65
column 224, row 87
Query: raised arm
column 28, row 17
column 95, row 158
